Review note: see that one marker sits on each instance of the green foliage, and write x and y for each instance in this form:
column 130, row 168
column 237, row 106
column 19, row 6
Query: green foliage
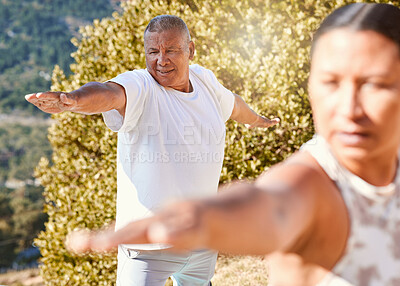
column 34, row 36
column 27, row 217
column 21, row 219
column 80, row 192
column 258, row 49
column 21, row 215
column 21, row 147
column 17, row 81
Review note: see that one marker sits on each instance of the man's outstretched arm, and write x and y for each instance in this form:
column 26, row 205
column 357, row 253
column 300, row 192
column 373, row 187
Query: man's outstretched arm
column 91, row 98
column 242, row 113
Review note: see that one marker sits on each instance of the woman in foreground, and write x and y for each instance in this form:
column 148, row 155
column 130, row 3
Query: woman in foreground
column 330, row 214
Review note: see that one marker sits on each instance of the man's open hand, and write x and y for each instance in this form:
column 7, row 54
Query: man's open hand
column 52, row 102
column 263, row 122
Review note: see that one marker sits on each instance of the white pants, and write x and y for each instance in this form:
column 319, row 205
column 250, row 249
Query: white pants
column 152, row 268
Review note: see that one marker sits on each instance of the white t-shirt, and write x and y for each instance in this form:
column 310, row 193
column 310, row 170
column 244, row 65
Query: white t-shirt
column 170, row 143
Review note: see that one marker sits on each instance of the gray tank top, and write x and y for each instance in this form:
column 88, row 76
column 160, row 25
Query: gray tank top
column 372, row 255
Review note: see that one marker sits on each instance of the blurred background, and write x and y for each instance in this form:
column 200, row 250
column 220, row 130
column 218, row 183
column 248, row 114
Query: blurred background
column 34, row 37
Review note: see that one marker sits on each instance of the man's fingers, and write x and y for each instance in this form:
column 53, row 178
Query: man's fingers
column 49, row 95
column 65, row 99
column 263, row 122
column 31, row 97
column 268, row 122
column 274, row 121
column 52, row 102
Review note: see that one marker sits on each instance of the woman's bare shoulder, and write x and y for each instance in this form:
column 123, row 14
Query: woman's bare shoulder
column 305, row 180
column 300, row 170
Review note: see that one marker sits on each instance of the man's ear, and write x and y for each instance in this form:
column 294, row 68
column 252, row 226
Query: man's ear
column 191, row 50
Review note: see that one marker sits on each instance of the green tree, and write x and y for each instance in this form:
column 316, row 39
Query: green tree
column 21, row 147
column 7, row 241
column 5, row 209
column 27, row 218
column 258, row 49
column 21, row 219
column 34, row 36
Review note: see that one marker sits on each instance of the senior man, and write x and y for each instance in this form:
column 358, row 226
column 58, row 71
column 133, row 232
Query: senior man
column 170, row 120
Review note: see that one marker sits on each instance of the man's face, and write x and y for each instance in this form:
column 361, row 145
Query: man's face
column 167, row 58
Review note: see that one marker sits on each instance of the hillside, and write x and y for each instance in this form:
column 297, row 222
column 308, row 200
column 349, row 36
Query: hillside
column 35, row 35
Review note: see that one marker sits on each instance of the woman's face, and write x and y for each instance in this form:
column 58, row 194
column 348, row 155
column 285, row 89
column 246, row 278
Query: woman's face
column 354, row 89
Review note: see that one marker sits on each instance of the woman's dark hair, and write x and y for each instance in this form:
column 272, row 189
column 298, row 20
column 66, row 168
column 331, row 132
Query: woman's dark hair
column 381, row 18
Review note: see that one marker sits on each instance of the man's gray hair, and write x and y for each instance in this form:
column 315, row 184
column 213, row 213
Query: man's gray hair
column 167, row 22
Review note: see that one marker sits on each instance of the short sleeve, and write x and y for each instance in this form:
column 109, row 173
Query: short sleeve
column 226, row 100
column 136, row 90
column 224, row 96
